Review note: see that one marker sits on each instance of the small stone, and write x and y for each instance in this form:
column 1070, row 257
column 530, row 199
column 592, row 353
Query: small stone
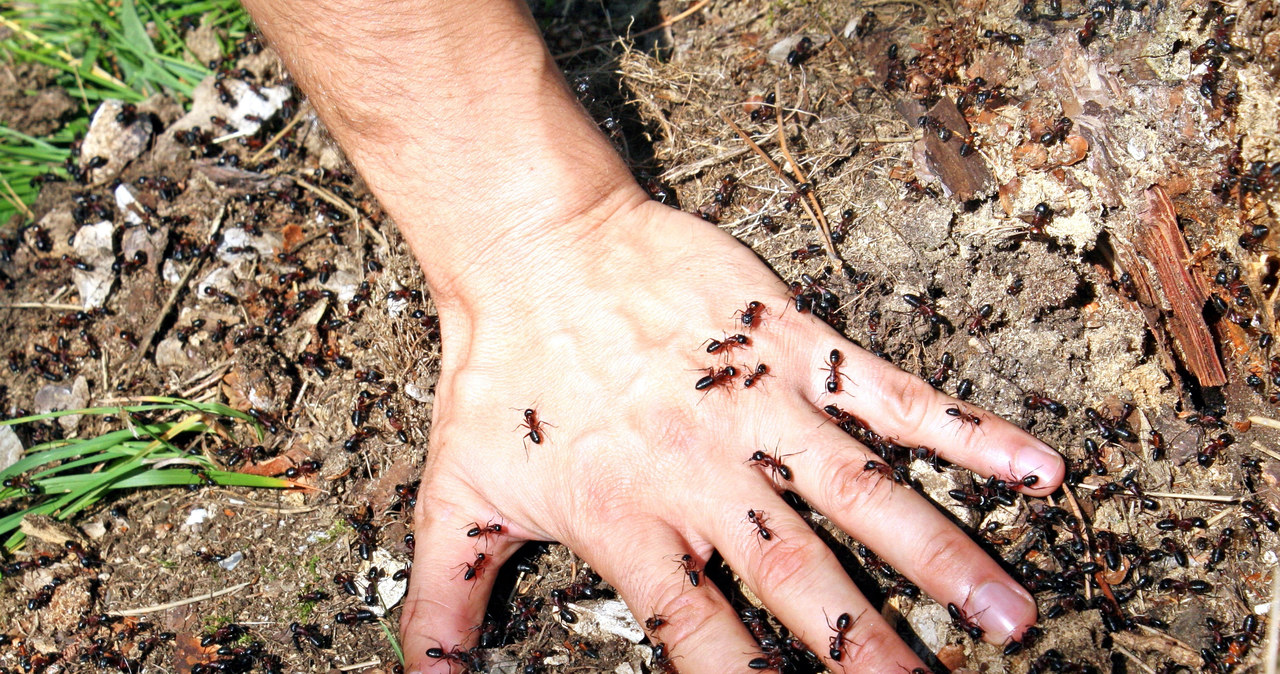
column 94, row 247
column 171, row 354
column 10, row 447
column 117, row 143
column 56, row 398
column 232, row 561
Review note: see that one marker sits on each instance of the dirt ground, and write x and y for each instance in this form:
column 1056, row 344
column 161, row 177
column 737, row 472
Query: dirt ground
column 1121, row 258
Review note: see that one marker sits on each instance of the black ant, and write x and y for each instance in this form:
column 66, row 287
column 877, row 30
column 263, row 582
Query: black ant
column 750, row 316
column 653, row 622
column 773, row 463
column 1173, row 523
column 925, row 309
column 806, row 253
column 1209, row 453
column 728, row 344
column 690, row 568
column 965, row 623
column 963, row 416
column 1010, row 39
column 801, row 53
column 757, row 518
column 833, row 362
column 756, row 375
column 844, row 623
column 1036, row 401
column 475, row 569
column 1056, row 133
column 714, row 378
column 490, row 529
column 1040, row 218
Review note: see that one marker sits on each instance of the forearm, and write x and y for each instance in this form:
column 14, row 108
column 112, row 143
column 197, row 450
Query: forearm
column 457, row 117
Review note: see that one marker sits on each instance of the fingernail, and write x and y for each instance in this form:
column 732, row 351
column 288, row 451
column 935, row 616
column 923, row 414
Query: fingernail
column 1001, row 610
column 1036, row 459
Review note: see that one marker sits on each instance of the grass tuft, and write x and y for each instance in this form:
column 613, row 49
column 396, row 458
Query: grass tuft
column 63, row 477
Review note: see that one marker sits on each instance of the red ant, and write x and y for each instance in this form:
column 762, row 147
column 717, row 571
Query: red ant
column 923, row 308
column 690, row 568
column 750, row 380
column 757, row 518
column 833, row 362
column 773, row 463
column 714, row 378
column 962, row 416
column 844, row 623
column 492, row 528
column 750, row 316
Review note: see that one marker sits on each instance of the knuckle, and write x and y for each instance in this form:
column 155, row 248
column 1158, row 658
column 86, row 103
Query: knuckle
column 787, row 565
column 907, row 399
column 943, row 552
column 850, row 488
column 690, row 618
column 868, row 648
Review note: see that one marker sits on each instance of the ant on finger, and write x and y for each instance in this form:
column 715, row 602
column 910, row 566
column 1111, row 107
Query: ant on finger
column 761, row 370
column 536, row 428
column 490, row 529
column 751, row 316
column 690, row 568
column 757, row 518
column 833, row 362
column 772, row 462
column 843, row 624
column 963, row 416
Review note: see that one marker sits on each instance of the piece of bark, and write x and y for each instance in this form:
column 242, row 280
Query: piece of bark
column 1161, row 242
column 965, row 178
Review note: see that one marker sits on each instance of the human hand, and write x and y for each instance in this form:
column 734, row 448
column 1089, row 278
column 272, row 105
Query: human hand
column 601, row 330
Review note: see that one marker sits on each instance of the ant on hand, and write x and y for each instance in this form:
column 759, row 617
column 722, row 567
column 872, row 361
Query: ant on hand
column 716, row 378
column 965, row 623
column 728, row 344
column 773, row 463
column 536, row 428
column 844, row 623
column 963, row 416
column 833, row 362
column 490, row 529
column 751, row 316
column 757, row 518
column 761, row 371
column 475, row 569
column 690, row 568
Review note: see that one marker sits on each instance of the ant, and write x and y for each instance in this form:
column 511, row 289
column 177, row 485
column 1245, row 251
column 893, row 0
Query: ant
column 1174, row 522
column 1209, row 453
column 1010, row 39
column 1040, row 218
column 751, row 316
column 728, row 344
column 750, row 380
column 1036, row 401
column 352, row 444
column 801, row 53
column 487, row 530
column 535, row 426
column 1056, row 133
column 962, row 416
column 311, row 633
column 833, row 362
column 965, row 623
column 714, row 378
column 773, row 463
column 308, row 467
column 757, row 518
column 690, row 568
column 923, row 308
column 978, row 324
column 899, row 474
column 808, row 252
column 837, row 641
column 476, row 569
column 1177, row 586
column 946, row 368
column 1158, row 447
column 653, row 622
column 318, row 595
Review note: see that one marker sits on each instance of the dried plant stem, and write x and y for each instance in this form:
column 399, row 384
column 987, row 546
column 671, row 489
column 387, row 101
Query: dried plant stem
column 820, row 219
column 1214, row 498
column 182, row 602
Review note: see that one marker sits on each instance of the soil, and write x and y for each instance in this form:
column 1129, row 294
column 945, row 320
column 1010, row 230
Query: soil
column 1126, row 294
